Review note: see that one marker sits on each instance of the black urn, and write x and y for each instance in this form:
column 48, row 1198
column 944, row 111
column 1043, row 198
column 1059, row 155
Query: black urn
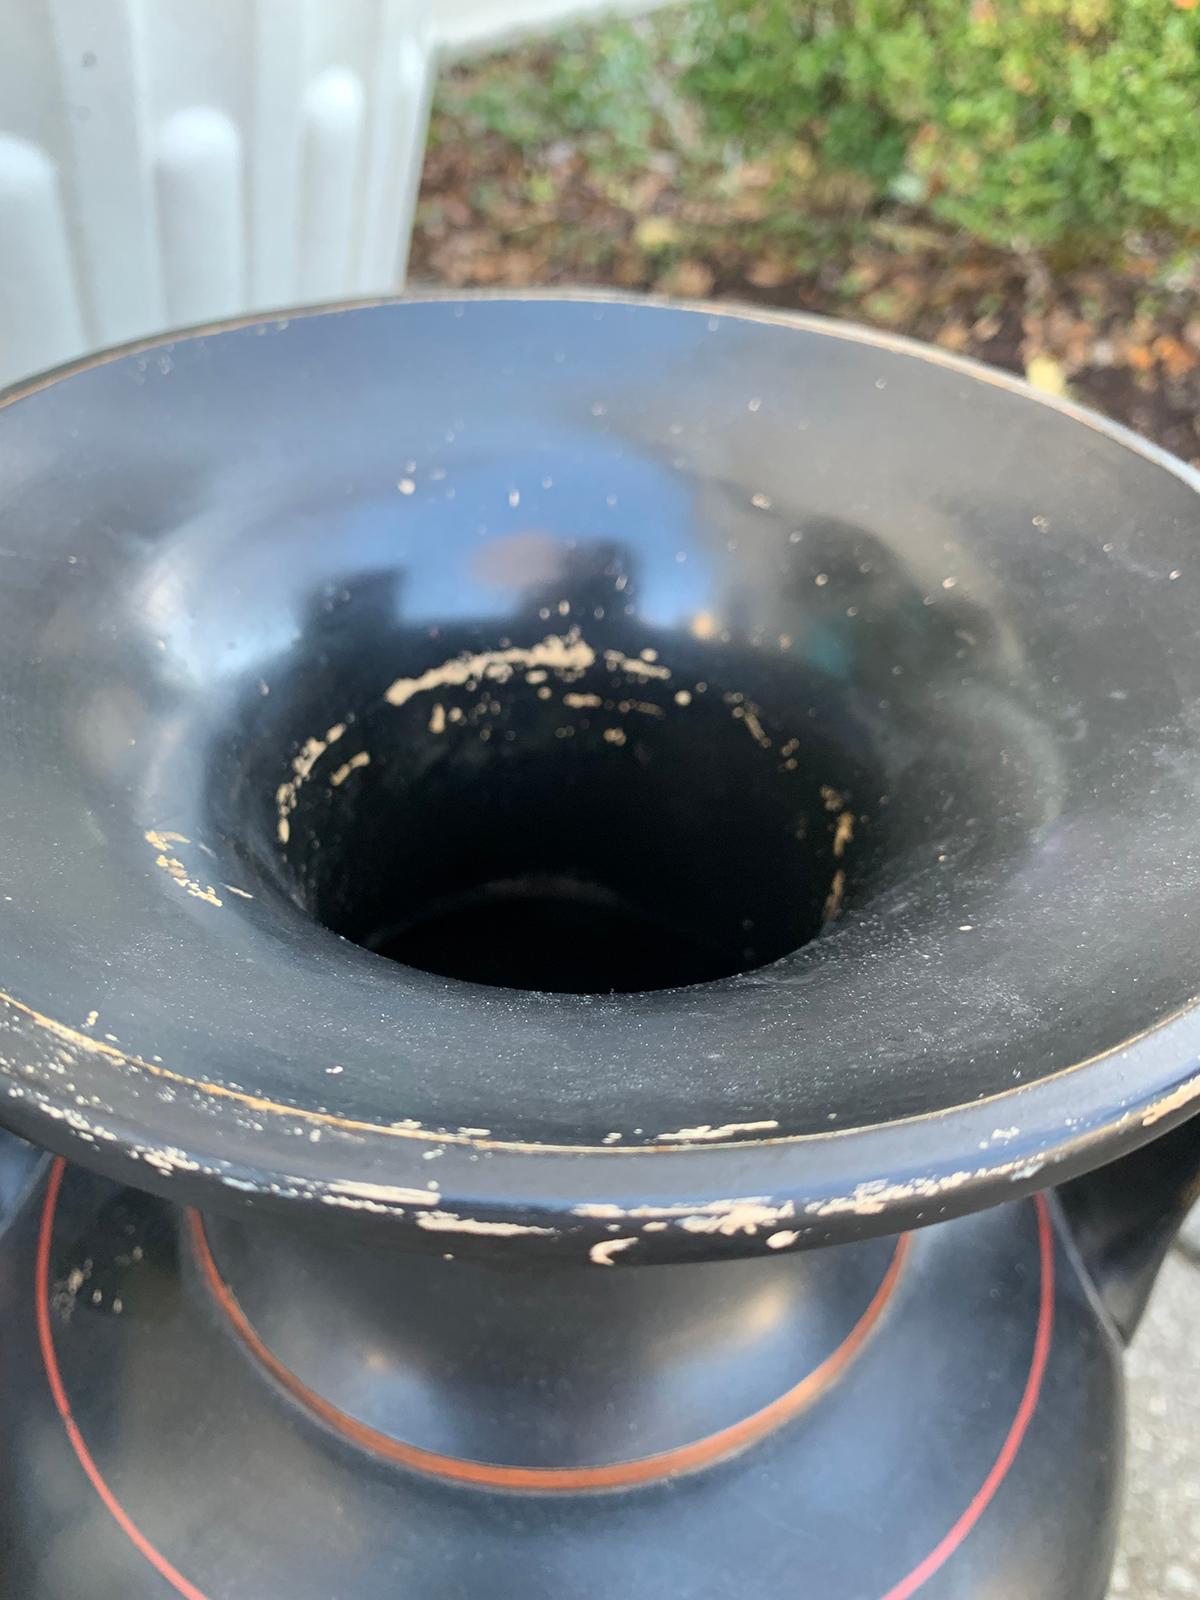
column 601, row 915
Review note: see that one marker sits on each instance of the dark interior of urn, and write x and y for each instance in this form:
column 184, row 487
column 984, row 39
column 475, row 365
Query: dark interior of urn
column 589, row 831
column 553, row 856
column 552, row 805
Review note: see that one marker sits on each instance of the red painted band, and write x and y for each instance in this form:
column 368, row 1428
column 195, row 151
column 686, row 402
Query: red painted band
column 903, row 1590
column 941, row 1552
column 63, row 1406
column 656, row 1468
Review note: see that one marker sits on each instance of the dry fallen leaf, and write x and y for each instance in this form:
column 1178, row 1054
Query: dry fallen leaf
column 655, row 233
column 1045, row 373
column 1175, row 356
column 954, row 336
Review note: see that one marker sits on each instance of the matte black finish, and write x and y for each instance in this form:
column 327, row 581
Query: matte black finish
column 496, row 792
column 951, row 603
column 247, row 1497
column 1125, row 1215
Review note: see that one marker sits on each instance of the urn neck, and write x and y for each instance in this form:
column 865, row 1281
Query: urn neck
column 543, row 1376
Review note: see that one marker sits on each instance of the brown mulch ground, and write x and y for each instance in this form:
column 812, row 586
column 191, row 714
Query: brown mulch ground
column 1124, row 339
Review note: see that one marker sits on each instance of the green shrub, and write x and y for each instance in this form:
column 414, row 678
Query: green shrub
column 1052, row 123
column 593, row 86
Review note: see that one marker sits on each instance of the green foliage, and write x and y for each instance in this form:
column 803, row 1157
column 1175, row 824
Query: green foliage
column 594, row 87
column 1055, row 123
column 1064, row 125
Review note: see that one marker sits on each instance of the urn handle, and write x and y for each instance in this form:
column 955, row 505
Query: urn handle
column 1125, row 1215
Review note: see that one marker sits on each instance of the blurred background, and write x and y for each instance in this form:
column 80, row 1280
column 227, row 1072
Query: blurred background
column 1017, row 180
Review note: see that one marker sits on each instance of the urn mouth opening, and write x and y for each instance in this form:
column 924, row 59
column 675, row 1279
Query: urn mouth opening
column 554, row 816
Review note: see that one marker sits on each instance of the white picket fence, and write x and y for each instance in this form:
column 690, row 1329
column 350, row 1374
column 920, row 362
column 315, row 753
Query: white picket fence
column 166, row 162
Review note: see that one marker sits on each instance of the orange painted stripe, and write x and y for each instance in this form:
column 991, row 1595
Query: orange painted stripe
column 62, row 1405
column 558, row 1480
column 986, row 1493
column 908, row 1586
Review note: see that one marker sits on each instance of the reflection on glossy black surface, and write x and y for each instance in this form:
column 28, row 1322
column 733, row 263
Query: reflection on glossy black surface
column 871, row 680
column 246, row 1494
column 533, row 768
column 770, row 760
